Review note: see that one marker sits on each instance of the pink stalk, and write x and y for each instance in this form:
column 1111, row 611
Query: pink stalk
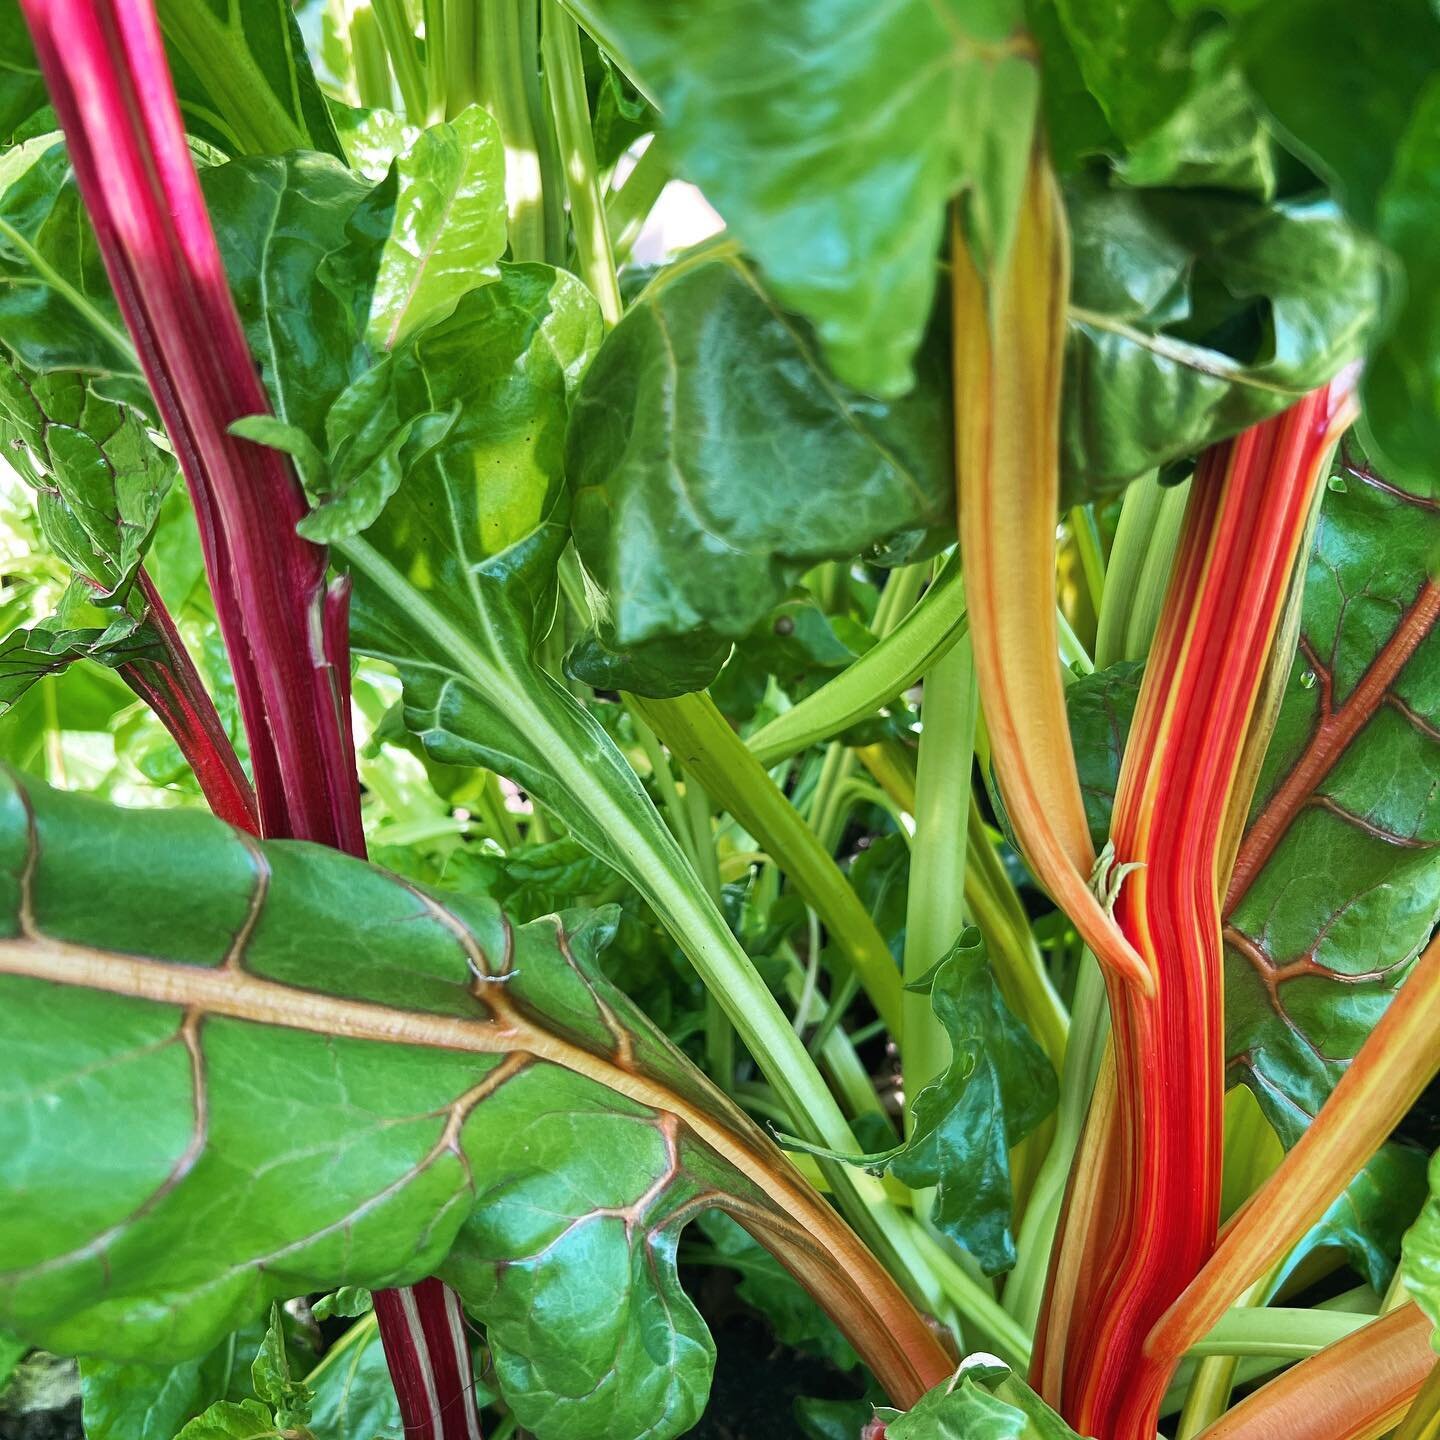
column 105, row 68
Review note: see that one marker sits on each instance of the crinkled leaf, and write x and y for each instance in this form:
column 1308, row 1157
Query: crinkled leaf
column 28, row 655
column 448, row 229
column 1420, row 1263
column 1378, row 149
column 372, row 138
column 243, row 78
column 101, row 478
column 1100, row 707
column 986, row 1401
column 270, row 1375
column 996, row 1089
column 714, row 458
column 835, row 173
column 231, row 1420
column 203, row 973
column 1195, row 315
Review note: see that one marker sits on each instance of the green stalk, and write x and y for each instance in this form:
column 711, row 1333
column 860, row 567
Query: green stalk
column 935, row 911
column 884, row 671
column 459, row 54
column 628, row 207
column 1208, row 1397
column 1285, row 1334
column 507, row 63
column 1019, row 967
column 394, row 23
column 1140, row 559
column 1092, row 556
column 370, row 59
column 436, row 48
column 565, row 80
column 592, row 775
column 547, row 145
column 700, row 737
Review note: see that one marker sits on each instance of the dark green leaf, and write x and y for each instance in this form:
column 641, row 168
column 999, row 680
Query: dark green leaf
column 1194, row 315
column 714, row 458
column 835, row 173
column 1378, row 150
column 27, row 655
column 243, row 78
column 22, row 91
column 303, row 1054
column 349, row 1301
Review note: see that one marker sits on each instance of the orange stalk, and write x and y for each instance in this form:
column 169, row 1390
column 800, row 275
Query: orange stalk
column 1356, row 1389
column 1248, row 513
column 1009, row 347
column 1396, row 1062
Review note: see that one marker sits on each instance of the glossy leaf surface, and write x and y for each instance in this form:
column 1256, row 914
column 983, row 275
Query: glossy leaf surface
column 714, row 458
column 836, row 173
column 459, row 1075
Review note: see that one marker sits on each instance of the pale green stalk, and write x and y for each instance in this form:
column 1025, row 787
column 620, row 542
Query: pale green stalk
column 507, row 58
column 565, row 80
column 399, row 38
column 628, row 207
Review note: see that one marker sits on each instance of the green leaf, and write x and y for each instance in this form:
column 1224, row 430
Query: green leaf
column 1420, row 1264
column 354, row 1396
column 23, row 100
column 28, row 655
column 836, row 173
column 101, row 478
column 322, row 1035
column 228, row 1420
column 349, row 1301
column 56, row 308
column 996, row 1089
column 1195, row 315
column 1378, row 151
column 243, row 78
column 449, row 226
column 985, row 1401
column 714, row 458
column 270, row 1375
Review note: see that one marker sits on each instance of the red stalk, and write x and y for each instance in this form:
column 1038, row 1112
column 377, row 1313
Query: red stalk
column 1248, row 513
column 172, row 688
column 105, row 68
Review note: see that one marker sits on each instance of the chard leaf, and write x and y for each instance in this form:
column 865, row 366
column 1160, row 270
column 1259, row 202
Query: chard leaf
column 1420, row 1262
column 27, row 655
column 56, row 308
column 997, row 1088
column 1337, row 883
column 270, row 1374
column 1378, row 150
column 1196, row 315
column 985, row 1401
column 836, row 173
column 243, row 78
column 448, row 229
column 479, row 1101
column 23, row 98
column 714, row 458
column 231, row 1420
column 354, row 1397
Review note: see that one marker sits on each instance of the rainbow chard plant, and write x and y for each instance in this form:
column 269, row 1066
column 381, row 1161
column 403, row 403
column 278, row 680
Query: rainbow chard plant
column 808, row 635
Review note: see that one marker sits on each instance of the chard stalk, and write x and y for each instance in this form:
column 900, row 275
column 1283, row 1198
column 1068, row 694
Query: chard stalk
column 287, row 635
column 1009, row 343
column 1249, row 510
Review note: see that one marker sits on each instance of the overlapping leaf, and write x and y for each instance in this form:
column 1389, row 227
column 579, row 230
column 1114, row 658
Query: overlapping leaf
column 461, row 1106
column 714, row 458
column 1194, row 315
column 985, row 1401
column 836, row 172
column 243, row 78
